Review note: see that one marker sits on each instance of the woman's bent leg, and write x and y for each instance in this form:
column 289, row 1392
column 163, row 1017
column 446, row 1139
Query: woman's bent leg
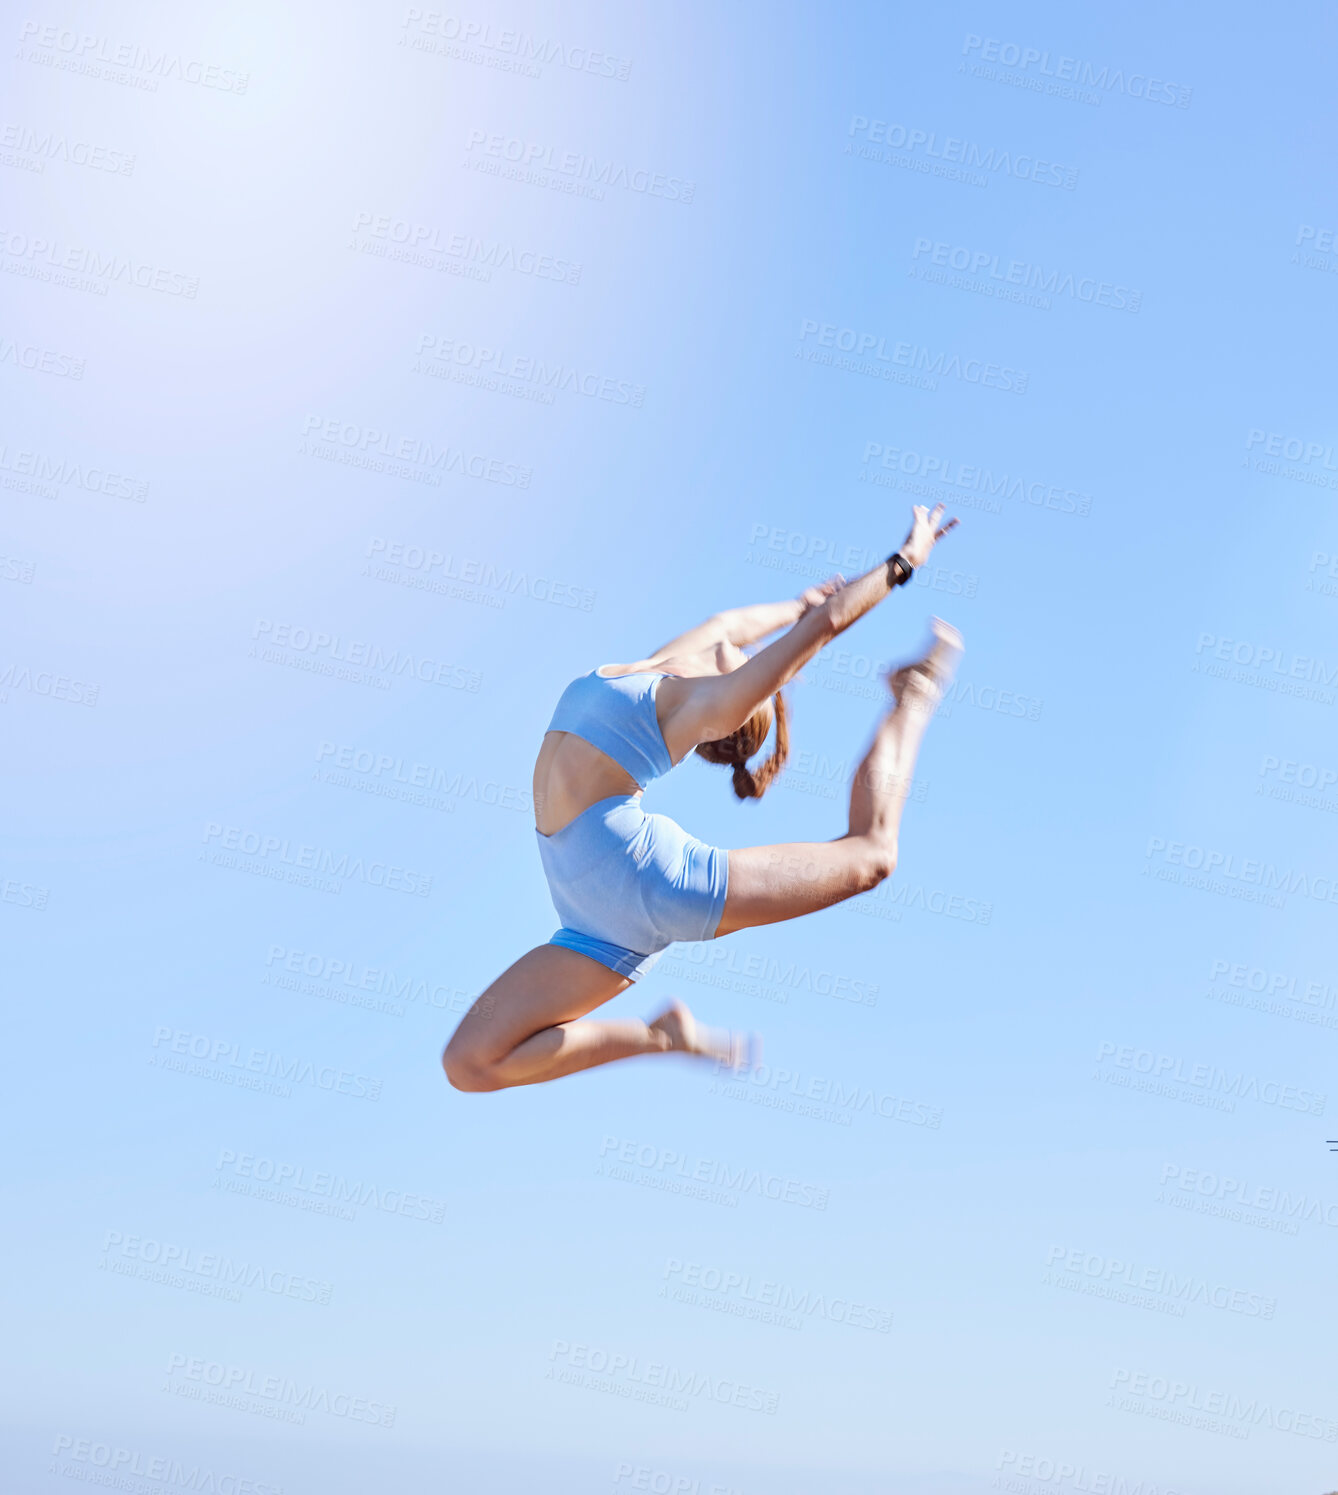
column 523, row 1029
column 770, row 883
column 531, row 1007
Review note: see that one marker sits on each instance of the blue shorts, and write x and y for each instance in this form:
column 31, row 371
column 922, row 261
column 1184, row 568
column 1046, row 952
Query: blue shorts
column 627, row 885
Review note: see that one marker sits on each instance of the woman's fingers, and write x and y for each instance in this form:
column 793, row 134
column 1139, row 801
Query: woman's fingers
column 951, row 524
column 819, row 593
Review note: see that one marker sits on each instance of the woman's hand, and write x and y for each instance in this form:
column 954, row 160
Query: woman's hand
column 925, row 533
column 812, row 597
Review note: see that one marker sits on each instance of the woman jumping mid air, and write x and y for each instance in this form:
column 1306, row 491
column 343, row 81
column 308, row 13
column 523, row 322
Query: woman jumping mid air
column 626, row 885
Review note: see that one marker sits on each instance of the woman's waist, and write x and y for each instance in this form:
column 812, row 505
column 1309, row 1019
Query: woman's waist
column 609, row 830
column 570, row 776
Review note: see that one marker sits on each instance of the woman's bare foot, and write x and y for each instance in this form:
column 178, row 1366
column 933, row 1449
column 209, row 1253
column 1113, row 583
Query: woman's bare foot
column 928, row 677
column 686, row 1035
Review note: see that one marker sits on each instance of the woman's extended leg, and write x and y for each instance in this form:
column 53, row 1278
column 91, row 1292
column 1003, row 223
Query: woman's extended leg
column 771, row 883
column 523, row 1029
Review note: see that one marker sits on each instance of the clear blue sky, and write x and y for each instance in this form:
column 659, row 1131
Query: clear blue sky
column 366, row 377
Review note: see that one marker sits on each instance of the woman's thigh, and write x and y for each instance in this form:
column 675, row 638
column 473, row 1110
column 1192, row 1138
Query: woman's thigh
column 771, row 883
column 546, row 986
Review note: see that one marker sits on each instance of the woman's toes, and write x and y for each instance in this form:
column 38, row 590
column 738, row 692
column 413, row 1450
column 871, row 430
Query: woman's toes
column 686, row 1035
column 678, row 1026
column 929, row 675
column 947, row 647
column 947, row 640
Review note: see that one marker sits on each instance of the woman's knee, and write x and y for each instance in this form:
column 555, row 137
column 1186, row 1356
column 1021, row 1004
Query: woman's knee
column 877, row 863
column 467, row 1069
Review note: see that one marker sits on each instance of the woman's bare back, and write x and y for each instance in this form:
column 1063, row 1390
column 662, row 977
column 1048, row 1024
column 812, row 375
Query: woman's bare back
column 570, row 774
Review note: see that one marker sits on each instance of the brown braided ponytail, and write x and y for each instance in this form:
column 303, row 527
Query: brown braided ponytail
column 735, row 750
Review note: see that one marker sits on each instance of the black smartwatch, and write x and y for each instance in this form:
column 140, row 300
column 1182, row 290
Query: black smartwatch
column 899, row 570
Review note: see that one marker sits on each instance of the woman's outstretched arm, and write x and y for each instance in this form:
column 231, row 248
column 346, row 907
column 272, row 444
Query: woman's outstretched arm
column 718, row 705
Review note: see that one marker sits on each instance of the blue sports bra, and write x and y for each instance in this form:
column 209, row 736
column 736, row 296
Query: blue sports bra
column 617, row 715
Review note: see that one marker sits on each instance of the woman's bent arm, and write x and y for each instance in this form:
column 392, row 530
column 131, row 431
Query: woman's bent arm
column 720, row 704
column 745, row 625
column 736, row 625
